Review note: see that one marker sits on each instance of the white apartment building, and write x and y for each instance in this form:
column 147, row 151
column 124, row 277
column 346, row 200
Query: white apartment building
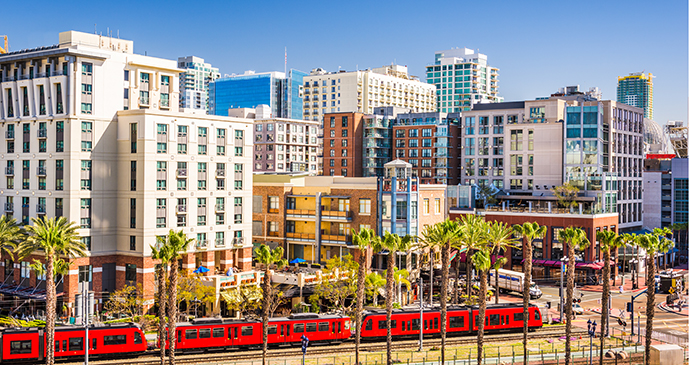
column 462, row 78
column 362, row 91
column 92, row 132
column 194, row 82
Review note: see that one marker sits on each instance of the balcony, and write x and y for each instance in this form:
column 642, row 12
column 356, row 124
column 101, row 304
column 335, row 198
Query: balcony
column 201, row 244
column 9, row 207
column 41, row 208
column 301, row 213
column 443, row 145
column 41, row 171
column 181, row 172
column 9, row 170
column 220, row 242
column 336, row 215
column 309, row 237
column 220, row 208
column 332, row 238
column 42, row 133
column 220, row 173
column 9, row 134
column 181, row 209
column 442, row 165
column 238, row 242
column 274, row 234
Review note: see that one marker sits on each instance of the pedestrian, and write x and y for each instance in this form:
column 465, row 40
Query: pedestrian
column 620, row 289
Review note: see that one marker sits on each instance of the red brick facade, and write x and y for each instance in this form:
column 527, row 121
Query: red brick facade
column 342, row 144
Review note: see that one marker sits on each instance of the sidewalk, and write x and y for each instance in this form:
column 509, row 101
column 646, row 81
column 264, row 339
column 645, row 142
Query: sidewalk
column 627, row 288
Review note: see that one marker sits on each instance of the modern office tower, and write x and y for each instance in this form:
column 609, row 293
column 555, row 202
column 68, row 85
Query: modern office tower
column 362, row 91
column 194, row 82
column 637, row 90
column 342, row 144
column 93, row 132
column 462, row 78
column 530, row 147
column 281, row 92
column 429, row 142
column 282, row 145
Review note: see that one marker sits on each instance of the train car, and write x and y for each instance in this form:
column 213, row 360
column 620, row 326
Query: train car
column 104, row 341
column 206, row 334
column 406, row 323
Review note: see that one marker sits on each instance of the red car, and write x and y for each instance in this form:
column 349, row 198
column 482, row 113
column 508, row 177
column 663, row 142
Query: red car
column 29, row 344
column 208, row 333
column 501, row 317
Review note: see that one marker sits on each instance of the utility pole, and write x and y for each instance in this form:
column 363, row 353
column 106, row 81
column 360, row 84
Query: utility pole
column 85, row 312
column 560, row 319
column 421, row 314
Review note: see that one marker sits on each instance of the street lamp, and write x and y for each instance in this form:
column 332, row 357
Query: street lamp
column 563, row 260
column 633, row 269
column 592, row 330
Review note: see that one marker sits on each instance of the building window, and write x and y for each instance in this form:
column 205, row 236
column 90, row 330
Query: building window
column 426, row 206
column 365, row 206
column 85, row 274
column 130, row 272
column 132, row 243
column 437, row 206
column 86, row 241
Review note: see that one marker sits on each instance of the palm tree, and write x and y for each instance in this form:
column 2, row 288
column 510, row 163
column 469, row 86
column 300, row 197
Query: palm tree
column 162, row 253
column 529, row 231
column 427, row 241
column 10, row 235
column 574, row 238
column 394, row 244
column 373, row 283
column 55, row 237
column 608, row 240
column 500, row 237
column 400, row 278
column 652, row 243
column 362, row 240
column 481, row 260
column 178, row 244
column 472, row 237
column 270, row 259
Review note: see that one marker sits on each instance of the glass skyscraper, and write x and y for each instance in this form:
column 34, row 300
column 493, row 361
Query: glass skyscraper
column 282, row 94
column 637, row 89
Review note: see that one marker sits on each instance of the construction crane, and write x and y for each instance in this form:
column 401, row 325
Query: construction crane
column 678, row 135
column 4, row 50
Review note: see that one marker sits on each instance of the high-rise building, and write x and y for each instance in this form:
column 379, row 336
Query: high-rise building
column 92, row 132
column 281, row 92
column 194, row 82
column 462, row 78
column 362, row 91
column 637, row 90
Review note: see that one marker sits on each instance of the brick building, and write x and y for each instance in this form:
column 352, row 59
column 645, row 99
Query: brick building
column 342, row 144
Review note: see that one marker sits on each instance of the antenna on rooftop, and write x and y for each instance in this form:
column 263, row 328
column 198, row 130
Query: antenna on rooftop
column 94, row 29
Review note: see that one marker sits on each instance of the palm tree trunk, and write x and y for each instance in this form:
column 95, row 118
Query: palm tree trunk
column 172, row 312
column 456, row 292
column 264, row 315
column 569, row 302
column 527, row 254
column 483, row 283
column 651, row 269
column 50, row 311
column 360, row 303
column 389, row 305
column 606, row 292
column 445, row 261
column 496, row 272
column 431, row 278
column 468, row 274
column 161, row 310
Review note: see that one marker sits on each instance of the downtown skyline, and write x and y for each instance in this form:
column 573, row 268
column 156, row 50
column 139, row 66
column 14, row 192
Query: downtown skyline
column 538, row 47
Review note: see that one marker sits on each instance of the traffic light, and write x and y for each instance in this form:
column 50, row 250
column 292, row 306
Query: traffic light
column 629, row 307
column 622, row 322
column 305, row 343
column 575, row 300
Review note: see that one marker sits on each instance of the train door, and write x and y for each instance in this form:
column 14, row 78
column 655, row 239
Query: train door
column 232, row 336
column 284, row 333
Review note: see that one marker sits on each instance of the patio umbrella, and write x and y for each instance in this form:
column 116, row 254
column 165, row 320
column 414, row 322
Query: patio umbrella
column 298, row 261
column 200, row 270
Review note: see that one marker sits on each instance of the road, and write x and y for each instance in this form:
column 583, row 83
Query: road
column 671, row 323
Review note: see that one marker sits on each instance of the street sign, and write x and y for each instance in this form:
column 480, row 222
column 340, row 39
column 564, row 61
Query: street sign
column 671, row 290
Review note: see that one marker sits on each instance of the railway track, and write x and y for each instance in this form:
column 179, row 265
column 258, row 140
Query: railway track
column 152, row 357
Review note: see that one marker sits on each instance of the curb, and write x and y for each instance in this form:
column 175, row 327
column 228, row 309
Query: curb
column 666, row 309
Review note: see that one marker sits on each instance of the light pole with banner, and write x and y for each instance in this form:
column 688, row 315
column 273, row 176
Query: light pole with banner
column 592, row 330
column 563, row 260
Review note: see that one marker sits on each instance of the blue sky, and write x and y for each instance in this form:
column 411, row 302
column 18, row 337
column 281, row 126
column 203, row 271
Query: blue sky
column 538, row 46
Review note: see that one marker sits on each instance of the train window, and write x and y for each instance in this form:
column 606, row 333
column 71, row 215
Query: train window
column 190, row 334
column 457, row 322
column 272, row 330
column 114, row 340
column 537, row 315
column 298, row 328
column 64, row 345
column 179, row 336
column 311, row 327
column 20, row 347
column 93, row 343
column 218, row 332
column 426, row 324
column 323, row 326
column 247, row 330
column 415, row 324
column 517, row 316
column 494, row 320
column 76, row 344
column 57, row 346
column 436, row 323
column 137, row 338
column 368, row 326
column 384, row 326
column 507, row 319
column 403, row 325
column 204, row 333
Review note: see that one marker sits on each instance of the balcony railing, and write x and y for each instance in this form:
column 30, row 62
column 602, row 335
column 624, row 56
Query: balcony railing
column 334, row 214
column 9, row 170
column 220, row 207
column 40, row 208
column 181, row 172
column 9, row 134
column 301, row 236
column 301, row 212
column 335, row 238
column 201, row 244
column 41, row 171
column 220, row 172
column 9, row 207
column 42, row 133
column 220, row 242
column 274, row 234
column 181, row 209
column 238, row 241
